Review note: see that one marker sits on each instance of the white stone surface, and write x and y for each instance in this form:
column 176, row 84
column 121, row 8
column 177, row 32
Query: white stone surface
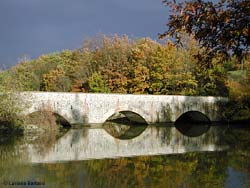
column 86, row 108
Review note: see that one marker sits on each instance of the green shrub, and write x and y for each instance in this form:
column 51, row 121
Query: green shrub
column 10, row 114
column 238, row 108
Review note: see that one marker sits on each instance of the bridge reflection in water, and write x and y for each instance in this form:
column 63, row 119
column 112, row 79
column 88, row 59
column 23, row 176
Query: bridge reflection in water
column 98, row 143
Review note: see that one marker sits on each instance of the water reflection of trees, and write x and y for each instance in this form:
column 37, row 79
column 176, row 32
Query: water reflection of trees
column 192, row 169
column 42, row 143
column 239, row 140
column 187, row 170
column 10, row 156
column 14, row 150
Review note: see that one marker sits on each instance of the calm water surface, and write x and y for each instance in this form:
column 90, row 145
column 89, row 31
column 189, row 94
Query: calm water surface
column 115, row 155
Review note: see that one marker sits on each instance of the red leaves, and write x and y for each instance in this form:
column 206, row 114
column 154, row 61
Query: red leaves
column 220, row 27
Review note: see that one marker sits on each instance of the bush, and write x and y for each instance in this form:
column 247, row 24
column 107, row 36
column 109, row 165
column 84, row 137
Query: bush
column 10, row 109
column 238, row 108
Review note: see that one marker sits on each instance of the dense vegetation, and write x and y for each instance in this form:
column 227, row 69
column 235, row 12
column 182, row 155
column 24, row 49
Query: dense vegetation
column 121, row 65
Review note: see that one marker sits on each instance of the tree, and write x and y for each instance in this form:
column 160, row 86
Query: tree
column 56, row 80
column 97, row 84
column 171, row 71
column 221, row 28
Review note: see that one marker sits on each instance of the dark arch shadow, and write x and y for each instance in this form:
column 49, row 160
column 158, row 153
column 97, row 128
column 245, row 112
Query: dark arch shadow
column 47, row 118
column 193, row 123
column 125, row 125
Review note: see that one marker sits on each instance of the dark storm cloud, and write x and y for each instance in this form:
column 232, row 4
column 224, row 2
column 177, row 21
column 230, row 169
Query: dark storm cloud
column 34, row 27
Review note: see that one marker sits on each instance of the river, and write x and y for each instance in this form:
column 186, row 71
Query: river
column 115, row 155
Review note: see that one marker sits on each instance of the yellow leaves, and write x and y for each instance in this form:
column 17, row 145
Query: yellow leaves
column 138, row 83
column 171, row 71
column 141, row 73
column 50, row 80
column 237, row 89
column 118, row 65
column 137, row 54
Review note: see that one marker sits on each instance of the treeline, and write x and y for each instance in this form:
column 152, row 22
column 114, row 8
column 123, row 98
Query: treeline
column 120, row 65
column 143, row 66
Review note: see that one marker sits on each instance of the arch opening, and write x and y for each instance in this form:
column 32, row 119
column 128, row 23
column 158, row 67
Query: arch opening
column 125, row 125
column 193, row 124
column 194, row 117
column 47, row 119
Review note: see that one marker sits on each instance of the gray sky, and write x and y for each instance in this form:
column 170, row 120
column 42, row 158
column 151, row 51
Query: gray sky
column 34, row 27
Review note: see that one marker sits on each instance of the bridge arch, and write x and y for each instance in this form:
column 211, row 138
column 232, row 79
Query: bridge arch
column 125, row 125
column 49, row 117
column 134, row 115
column 193, row 123
column 193, row 116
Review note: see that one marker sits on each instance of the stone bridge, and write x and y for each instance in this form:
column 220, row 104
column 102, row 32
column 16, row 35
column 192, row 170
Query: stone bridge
column 87, row 108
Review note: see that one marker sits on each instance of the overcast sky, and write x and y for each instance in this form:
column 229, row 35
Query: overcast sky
column 34, row 27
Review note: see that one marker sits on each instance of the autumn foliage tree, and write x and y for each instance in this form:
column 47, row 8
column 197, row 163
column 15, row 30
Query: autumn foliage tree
column 221, row 27
column 118, row 65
